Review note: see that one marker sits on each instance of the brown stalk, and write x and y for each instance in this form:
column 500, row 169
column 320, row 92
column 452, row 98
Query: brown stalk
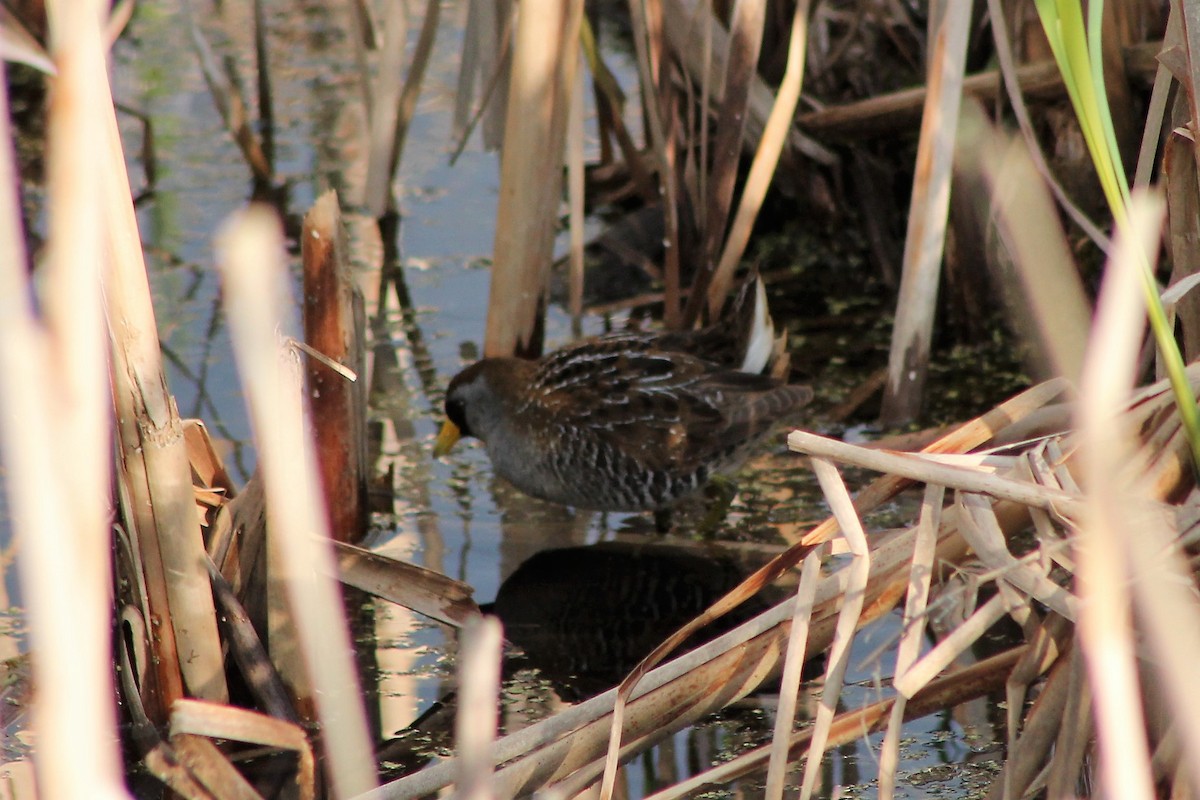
column 232, row 106
column 1051, row 302
column 1013, row 88
column 333, row 321
column 209, row 767
column 1042, row 725
column 487, row 108
column 895, row 111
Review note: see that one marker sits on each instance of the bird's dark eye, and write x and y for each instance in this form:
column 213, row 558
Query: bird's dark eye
column 456, row 412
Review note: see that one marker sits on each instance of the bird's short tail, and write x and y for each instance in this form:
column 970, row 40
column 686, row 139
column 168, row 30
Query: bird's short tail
column 761, row 338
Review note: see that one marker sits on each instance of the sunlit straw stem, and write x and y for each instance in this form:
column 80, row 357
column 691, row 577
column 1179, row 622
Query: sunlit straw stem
column 250, row 255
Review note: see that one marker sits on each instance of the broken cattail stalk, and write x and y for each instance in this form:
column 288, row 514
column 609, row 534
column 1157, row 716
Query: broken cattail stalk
column 333, row 324
column 153, row 462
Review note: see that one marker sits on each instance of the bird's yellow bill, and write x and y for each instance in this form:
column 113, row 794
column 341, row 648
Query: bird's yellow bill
column 446, row 439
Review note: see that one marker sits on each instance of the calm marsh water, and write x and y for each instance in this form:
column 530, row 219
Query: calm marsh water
column 451, row 515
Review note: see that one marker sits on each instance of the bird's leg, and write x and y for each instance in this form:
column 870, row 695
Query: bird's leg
column 719, row 495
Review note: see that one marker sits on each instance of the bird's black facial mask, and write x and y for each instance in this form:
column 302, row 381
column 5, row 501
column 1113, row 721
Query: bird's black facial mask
column 456, row 412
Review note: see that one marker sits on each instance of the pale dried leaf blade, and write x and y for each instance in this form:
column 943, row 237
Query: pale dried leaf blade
column 859, row 571
column 792, row 673
column 422, row 590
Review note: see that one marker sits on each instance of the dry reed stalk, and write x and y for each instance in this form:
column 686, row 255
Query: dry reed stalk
column 914, row 467
column 859, row 571
column 231, row 105
column 479, row 691
column 153, row 471
column 55, row 428
column 334, row 323
column 496, row 43
column 207, row 766
column 1156, row 108
column 947, row 691
column 1075, row 733
column 363, row 37
column 246, row 650
column 487, row 46
column 1047, row 644
column 766, row 157
column 985, row 537
column 793, row 669
column 1103, row 573
column 912, row 628
column 1042, row 725
column 250, row 256
column 1180, row 174
column 543, row 69
column 17, row 44
column 575, row 204
column 262, row 64
column 1163, row 584
column 908, row 359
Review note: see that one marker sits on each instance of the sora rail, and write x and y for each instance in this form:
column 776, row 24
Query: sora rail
column 626, row 421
